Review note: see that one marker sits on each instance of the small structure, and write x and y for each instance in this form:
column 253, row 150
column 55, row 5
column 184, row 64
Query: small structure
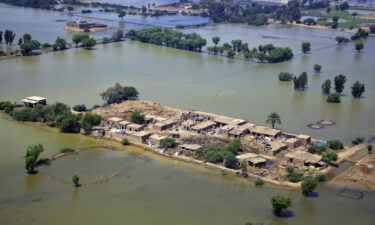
column 187, row 125
column 224, row 130
column 203, row 127
column 32, row 101
column 134, row 127
column 204, row 115
column 252, row 159
column 156, row 138
column 160, row 126
column 224, row 120
column 305, row 139
column 265, row 131
column 304, row 158
column 275, row 147
column 139, row 137
column 113, row 122
column 293, row 143
column 190, row 149
column 123, row 124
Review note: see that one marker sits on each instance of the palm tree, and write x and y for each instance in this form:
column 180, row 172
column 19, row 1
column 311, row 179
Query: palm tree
column 274, row 118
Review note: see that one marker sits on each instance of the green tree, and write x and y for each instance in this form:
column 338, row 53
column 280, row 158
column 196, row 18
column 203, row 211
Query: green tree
column 306, row 47
column 137, row 117
column 317, row 68
column 26, row 38
column 335, row 144
column 230, row 160
column 130, row 93
column 285, row 76
column 300, row 82
column 280, row 203
column 28, row 47
column 334, row 98
column 308, row 185
column 121, row 14
column 1, row 36
column 259, row 181
column 118, row 35
column 358, row 89
column 67, row 122
column 273, row 118
column 168, row 143
column 75, row 180
column 88, row 43
column 125, row 141
column 31, row 157
column 9, row 36
column 230, row 53
column 89, row 120
column 329, row 156
column 77, row 38
column 20, row 42
column 61, row 43
column 326, row 87
column 216, row 40
column 342, row 40
column 79, row 108
column 359, row 46
column 244, row 168
column 339, row 83
column 369, row 148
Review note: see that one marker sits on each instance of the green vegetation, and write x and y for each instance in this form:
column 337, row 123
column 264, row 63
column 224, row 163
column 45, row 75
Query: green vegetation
column 342, row 40
column 75, row 180
column 41, row 4
column 300, row 82
column 280, row 203
column 360, row 34
column 326, row 87
column 6, row 106
column 321, row 177
column 118, row 93
column 358, row 89
column 259, row 181
column 60, row 44
column 244, row 169
column 335, row 144
column 369, row 148
column 317, row 149
column 78, row 38
column 339, row 83
column 225, row 155
column 285, row 76
column 67, row 150
column 317, row 68
column 9, row 36
column 31, row 157
column 28, row 47
column 88, row 43
column 358, row 140
column 137, row 117
column 292, row 175
column 306, row 47
column 308, row 185
column 168, row 37
column 273, row 118
column 334, row 98
column 125, row 141
column 89, row 120
column 168, row 143
column 329, row 156
column 359, row 46
column 80, row 108
column 118, row 35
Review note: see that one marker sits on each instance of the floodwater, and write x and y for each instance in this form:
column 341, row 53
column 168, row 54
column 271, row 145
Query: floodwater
column 154, row 190
column 151, row 189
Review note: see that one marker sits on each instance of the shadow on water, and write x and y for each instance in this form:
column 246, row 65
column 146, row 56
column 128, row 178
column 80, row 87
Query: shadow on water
column 285, row 214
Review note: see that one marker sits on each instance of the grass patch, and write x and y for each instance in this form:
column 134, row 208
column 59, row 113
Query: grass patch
column 66, row 150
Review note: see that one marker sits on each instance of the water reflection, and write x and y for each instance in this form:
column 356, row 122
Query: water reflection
column 32, row 181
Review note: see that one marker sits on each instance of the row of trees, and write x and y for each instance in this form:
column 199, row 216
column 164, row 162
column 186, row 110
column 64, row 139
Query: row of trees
column 339, row 84
column 58, row 115
column 9, row 36
column 263, row 53
column 168, row 37
column 86, row 41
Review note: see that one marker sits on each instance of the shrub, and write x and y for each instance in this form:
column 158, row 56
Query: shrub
column 79, row 108
column 66, row 150
column 334, row 98
column 259, row 181
column 125, row 141
column 317, row 68
column 280, row 203
column 358, row 140
column 75, row 180
column 285, row 76
column 369, row 148
column 329, row 156
column 335, row 144
column 7, row 106
column 316, row 149
column 168, row 143
column 292, row 175
column 137, row 117
column 321, row 177
column 308, row 185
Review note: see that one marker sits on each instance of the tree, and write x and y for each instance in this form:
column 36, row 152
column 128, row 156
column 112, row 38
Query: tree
column 130, row 93
column 339, row 83
column 89, row 120
column 67, row 122
column 1, row 36
column 280, row 203
column 259, row 181
column 26, row 38
column 9, row 36
column 354, row 14
column 359, row 46
column 308, row 185
column 285, row 76
column 216, row 40
column 77, row 38
column 358, row 89
column 329, row 156
column 369, row 148
column 335, row 144
column 326, row 87
column 75, row 180
column 61, row 43
column 88, row 43
column 137, row 117
column 28, row 47
column 19, row 42
column 342, row 40
column 334, row 98
column 300, row 82
column 70, row 8
column 168, row 143
column 230, row 53
column 230, row 160
column 317, row 68
column 121, row 14
column 31, row 157
column 273, row 118
column 305, row 47
column 118, row 35
column 244, row 168
column 79, row 108
column 125, row 141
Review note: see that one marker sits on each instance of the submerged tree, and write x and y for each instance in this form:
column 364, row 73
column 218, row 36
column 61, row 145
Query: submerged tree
column 31, row 157
column 359, row 46
column 121, row 14
column 317, row 68
column 334, row 98
column 342, row 40
column 358, row 89
column 280, row 203
column 305, row 47
column 309, row 185
column 326, row 87
column 216, row 40
column 9, row 36
column 75, row 180
column 300, row 82
column 339, row 83
column 273, row 118
column 89, row 120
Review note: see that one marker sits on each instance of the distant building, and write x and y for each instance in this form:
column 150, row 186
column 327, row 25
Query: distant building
column 32, row 101
column 84, row 26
